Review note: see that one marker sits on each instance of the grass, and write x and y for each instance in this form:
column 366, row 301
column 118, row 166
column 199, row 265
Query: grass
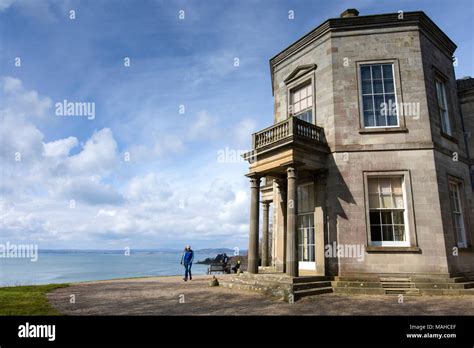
column 27, row 300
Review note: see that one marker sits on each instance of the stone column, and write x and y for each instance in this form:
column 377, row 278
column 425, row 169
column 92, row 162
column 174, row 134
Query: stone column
column 253, row 235
column 291, row 220
column 279, row 226
column 320, row 224
column 265, row 208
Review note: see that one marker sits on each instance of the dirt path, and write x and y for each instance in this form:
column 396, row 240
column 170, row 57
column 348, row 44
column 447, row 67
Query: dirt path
column 165, row 296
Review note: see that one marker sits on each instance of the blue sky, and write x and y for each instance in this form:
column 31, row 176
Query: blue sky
column 173, row 190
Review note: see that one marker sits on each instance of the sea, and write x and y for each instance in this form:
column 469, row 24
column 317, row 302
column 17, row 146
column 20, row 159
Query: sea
column 64, row 266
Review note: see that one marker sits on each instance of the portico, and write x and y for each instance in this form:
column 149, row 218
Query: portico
column 290, row 155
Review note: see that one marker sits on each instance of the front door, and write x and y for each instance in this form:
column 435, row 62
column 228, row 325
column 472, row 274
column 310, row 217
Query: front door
column 306, row 245
column 306, row 237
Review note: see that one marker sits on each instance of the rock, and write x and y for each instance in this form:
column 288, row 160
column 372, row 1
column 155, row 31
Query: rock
column 214, row 281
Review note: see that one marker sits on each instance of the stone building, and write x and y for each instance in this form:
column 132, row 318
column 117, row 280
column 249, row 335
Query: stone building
column 366, row 168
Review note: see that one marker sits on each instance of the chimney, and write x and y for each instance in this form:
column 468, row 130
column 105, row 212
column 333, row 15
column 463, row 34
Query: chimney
column 350, row 12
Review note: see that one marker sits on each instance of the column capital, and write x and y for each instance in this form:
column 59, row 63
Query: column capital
column 254, row 180
column 291, row 172
column 265, row 204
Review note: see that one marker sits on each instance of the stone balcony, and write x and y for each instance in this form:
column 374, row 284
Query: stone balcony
column 289, row 142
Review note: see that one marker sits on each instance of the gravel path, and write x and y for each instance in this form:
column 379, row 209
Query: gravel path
column 173, row 296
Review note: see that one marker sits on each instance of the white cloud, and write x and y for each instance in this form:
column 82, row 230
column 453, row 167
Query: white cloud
column 89, row 190
column 99, row 155
column 60, row 148
column 19, row 102
column 114, row 204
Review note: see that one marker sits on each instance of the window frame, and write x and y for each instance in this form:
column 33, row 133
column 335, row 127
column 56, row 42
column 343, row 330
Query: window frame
column 309, row 212
column 306, row 78
column 397, row 91
column 462, row 202
column 409, row 220
column 438, row 77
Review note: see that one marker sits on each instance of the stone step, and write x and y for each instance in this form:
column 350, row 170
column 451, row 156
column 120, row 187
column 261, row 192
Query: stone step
column 280, row 277
column 466, row 285
column 351, row 284
column 312, row 285
column 260, row 282
column 422, row 278
column 394, row 280
column 438, row 280
column 270, row 291
column 444, row 292
column 402, row 291
column 398, row 285
column 312, row 292
column 359, row 290
column 309, row 279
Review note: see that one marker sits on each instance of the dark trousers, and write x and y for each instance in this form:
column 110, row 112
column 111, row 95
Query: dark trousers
column 187, row 270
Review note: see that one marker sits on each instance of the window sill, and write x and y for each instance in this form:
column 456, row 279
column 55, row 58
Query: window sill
column 383, row 130
column 384, row 249
column 449, row 137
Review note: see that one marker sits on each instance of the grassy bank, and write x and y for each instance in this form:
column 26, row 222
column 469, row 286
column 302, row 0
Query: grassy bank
column 27, row 300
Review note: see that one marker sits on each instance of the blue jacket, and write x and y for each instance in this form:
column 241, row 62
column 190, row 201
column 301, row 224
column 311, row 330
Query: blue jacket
column 188, row 257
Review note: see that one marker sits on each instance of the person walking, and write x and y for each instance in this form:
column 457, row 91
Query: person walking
column 187, row 260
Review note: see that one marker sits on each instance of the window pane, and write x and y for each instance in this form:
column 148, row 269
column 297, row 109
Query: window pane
column 385, row 185
column 397, row 185
column 304, row 104
column 388, row 85
column 398, row 201
column 296, row 96
column 296, row 107
column 399, row 233
column 365, row 72
column 380, row 119
column 375, row 218
column 387, row 71
column 375, row 233
column 368, row 102
column 379, row 102
column 303, row 93
column 387, row 201
column 387, row 233
column 309, row 101
column 373, row 186
column 366, row 87
column 392, row 120
column 378, row 86
column 369, row 120
column 398, row 218
column 374, row 201
column 386, row 217
column 376, row 72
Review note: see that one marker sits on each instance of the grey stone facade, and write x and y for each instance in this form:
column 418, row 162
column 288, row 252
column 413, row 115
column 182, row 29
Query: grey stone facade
column 330, row 58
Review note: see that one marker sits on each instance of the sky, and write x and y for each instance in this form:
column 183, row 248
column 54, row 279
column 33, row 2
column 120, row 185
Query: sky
column 178, row 88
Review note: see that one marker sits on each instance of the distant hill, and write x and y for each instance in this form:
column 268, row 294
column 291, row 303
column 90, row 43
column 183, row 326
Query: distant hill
column 229, row 252
column 216, row 251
